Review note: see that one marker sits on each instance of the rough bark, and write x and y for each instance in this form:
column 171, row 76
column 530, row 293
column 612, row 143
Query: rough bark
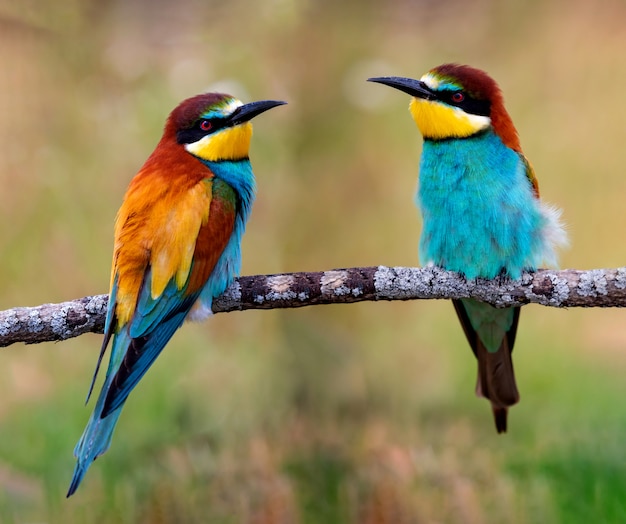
column 567, row 288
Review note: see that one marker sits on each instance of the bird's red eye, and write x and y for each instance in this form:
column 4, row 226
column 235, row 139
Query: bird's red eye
column 458, row 97
column 205, row 125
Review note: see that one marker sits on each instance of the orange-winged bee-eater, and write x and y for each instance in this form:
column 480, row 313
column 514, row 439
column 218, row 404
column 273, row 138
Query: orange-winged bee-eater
column 482, row 216
column 177, row 247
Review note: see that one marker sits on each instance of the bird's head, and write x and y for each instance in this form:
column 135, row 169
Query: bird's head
column 215, row 126
column 456, row 101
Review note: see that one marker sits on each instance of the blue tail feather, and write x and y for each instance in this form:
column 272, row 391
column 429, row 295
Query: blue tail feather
column 96, row 438
column 94, row 441
column 129, row 361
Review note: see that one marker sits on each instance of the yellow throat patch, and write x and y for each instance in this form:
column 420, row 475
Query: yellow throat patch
column 437, row 121
column 231, row 143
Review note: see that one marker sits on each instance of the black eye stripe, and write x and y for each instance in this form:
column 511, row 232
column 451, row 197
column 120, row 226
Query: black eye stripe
column 469, row 104
column 199, row 130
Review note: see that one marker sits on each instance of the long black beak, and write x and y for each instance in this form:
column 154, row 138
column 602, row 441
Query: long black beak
column 249, row 111
column 415, row 88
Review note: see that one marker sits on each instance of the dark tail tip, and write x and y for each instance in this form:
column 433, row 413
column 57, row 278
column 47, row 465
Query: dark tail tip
column 71, row 490
column 79, row 473
column 499, row 417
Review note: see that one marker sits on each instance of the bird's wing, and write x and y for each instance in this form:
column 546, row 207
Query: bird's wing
column 530, row 173
column 166, row 248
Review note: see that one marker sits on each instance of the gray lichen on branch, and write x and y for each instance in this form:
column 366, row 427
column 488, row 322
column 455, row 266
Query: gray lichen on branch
column 567, row 288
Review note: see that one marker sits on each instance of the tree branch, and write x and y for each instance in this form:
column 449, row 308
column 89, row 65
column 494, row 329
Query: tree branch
column 568, row 288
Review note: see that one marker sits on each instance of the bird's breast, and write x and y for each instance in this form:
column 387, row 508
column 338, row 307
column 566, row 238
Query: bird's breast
column 480, row 214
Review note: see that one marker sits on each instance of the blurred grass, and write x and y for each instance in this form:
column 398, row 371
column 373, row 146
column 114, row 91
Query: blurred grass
column 337, row 414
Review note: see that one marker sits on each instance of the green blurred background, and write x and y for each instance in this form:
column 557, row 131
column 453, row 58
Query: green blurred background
column 358, row 414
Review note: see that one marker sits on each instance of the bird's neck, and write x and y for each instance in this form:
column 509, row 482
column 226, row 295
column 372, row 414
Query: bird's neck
column 482, row 155
column 238, row 175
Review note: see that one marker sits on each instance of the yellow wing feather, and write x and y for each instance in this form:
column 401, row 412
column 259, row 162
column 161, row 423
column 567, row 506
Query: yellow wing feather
column 173, row 248
column 156, row 226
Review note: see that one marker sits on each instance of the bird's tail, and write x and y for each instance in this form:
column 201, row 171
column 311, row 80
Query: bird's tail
column 95, row 440
column 491, row 335
column 496, row 381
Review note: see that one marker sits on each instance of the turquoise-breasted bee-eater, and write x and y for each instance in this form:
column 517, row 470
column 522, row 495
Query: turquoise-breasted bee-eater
column 482, row 216
column 177, row 247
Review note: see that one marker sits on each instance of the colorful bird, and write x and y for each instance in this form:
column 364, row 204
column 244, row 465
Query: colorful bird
column 177, row 246
column 482, row 216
